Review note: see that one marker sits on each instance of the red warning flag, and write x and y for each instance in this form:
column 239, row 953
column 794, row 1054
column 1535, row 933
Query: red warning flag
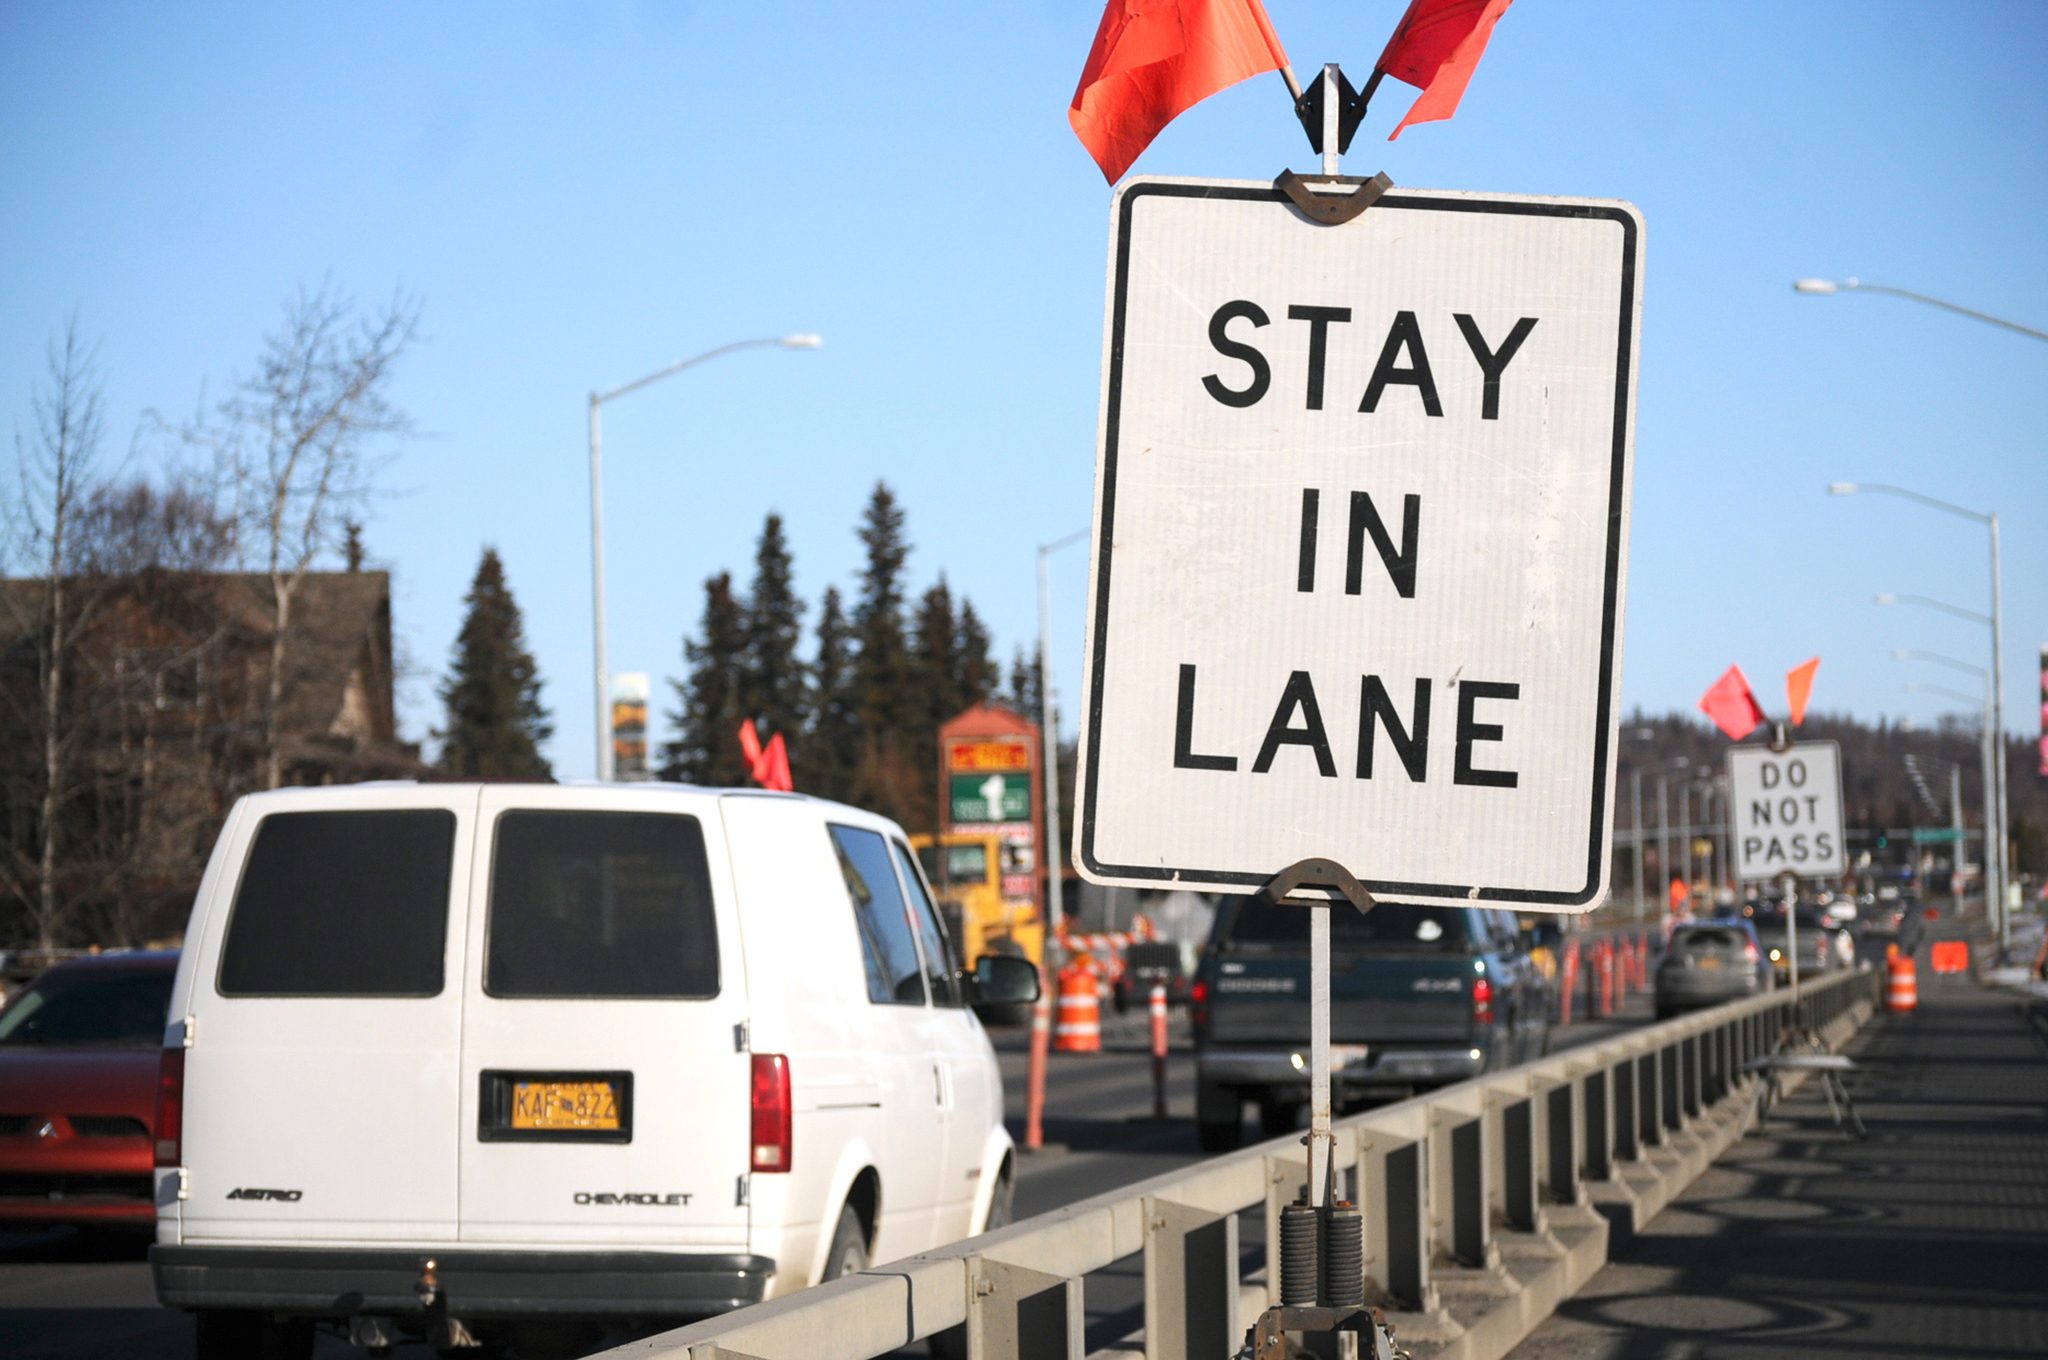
column 770, row 765
column 1155, row 59
column 1435, row 48
column 777, row 759
column 1731, row 705
column 1799, row 688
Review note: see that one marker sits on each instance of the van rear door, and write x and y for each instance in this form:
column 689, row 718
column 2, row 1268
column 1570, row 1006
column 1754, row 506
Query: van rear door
column 605, row 1085
column 320, row 1087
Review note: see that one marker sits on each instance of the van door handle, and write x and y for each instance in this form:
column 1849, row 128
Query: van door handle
column 938, row 1086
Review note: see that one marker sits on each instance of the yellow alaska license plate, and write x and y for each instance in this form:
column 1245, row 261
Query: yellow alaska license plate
column 1710, row 962
column 565, row 1105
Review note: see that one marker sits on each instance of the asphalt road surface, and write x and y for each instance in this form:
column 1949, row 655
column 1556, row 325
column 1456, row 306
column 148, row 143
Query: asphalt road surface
column 66, row 1295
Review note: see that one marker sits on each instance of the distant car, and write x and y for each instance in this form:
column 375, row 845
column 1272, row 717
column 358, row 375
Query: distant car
column 1709, row 962
column 1819, row 949
column 78, row 1076
column 1147, row 965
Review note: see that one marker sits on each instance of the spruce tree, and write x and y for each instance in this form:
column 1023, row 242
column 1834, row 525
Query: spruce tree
column 829, row 755
column 935, row 677
column 491, row 698
column 882, row 665
column 706, row 749
column 978, row 673
column 1023, row 695
column 888, row 779
column 771, row 675
column 936, row 654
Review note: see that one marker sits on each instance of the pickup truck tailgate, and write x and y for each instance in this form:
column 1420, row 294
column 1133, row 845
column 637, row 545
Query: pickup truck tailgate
column 1374, row 1000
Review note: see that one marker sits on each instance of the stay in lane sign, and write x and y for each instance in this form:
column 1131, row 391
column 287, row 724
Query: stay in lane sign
column 1361, row 536
column 1787, row 808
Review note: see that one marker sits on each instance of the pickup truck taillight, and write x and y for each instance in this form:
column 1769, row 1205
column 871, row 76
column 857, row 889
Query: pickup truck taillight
column 771, row 1113
column 1482, row 1001
column 1198, row 1004
column 170, row 1107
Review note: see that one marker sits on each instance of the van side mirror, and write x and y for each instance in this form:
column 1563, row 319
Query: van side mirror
column 1004, row 980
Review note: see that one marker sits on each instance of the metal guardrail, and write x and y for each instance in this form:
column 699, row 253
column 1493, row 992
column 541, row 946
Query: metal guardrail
column 1436, row 1177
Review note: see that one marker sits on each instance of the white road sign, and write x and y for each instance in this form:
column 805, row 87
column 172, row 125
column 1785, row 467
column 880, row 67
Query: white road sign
column 1361, row 540
column 1787, row 810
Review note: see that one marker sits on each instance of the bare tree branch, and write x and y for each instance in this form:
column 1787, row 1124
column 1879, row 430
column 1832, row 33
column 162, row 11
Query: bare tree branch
column 57, row 466
column 299, row 443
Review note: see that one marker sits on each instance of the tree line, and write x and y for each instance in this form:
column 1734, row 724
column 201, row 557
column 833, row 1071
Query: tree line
column 861, row 715
column 1894, row 776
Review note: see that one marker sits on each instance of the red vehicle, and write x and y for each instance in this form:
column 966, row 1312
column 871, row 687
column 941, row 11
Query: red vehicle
column 79, row 1050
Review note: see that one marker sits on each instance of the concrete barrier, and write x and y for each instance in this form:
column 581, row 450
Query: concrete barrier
column 1486, row 1205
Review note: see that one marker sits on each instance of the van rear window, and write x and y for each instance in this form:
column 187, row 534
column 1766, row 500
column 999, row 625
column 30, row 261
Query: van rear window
column 600, row 904
column 342, row 904
column 1390, row 927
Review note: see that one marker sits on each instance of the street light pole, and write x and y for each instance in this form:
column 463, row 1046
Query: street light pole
column 597, row 625
column 1998, row 748
column 1825, row 286
column 601, row 663
column 1997, row 799
column 1994, row 881
column 1636, row 824
column 1055, row 891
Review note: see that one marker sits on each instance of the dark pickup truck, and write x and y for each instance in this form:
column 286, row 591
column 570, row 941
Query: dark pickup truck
column 1420, row 996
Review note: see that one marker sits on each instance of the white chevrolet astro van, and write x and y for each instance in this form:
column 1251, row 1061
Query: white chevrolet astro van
column 455, row 1060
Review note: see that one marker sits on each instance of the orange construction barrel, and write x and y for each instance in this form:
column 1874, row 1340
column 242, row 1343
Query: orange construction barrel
column 1902, row 987
column 1078, row 1028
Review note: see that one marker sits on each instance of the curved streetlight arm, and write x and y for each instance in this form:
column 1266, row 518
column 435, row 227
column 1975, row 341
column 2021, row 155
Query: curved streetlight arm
column 601, row 661
column 1938, row 659
column 786, row 341
column 1058, row 543
column 1852, row 488
column 1972, row 615
column 1997, row 854
column 1917, row 687
column 1855, row 285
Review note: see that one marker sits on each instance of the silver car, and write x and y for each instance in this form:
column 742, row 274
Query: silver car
column 1706, row 963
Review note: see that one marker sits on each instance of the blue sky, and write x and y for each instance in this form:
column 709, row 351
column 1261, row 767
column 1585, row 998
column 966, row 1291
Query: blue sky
column 583, row 194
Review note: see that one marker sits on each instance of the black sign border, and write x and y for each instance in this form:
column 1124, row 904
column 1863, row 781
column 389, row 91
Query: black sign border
column 1596, row 849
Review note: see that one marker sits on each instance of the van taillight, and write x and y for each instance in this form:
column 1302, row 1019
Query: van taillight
column 771, row 1113
column 170, row 1107
column 1482, row 1001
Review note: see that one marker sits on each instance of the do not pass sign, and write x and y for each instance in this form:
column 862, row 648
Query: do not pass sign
column 1361, row 532
column 1787, row 808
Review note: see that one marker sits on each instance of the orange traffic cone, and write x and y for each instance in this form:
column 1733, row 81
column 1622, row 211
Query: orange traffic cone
column 1902, row 990
column 1079, row 1027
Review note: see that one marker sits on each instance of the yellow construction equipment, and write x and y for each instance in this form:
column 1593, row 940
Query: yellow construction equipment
column 966, row 875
